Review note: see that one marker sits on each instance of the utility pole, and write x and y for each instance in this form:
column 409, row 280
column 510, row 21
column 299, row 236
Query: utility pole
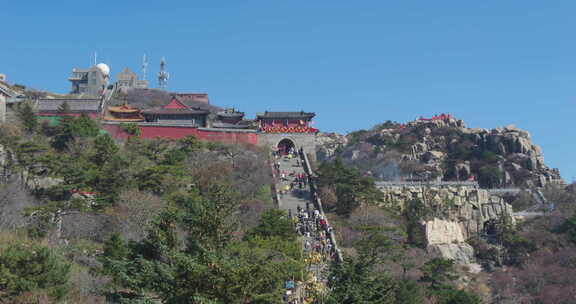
column 144, row 67
column 163, row 75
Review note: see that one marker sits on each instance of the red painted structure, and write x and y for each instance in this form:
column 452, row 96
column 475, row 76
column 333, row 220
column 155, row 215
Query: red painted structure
column 286, row 122
column 194, row 97
column 437, row 117
column 175, row 132
column 175, row 104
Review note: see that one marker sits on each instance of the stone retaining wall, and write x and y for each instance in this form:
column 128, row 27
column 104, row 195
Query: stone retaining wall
column 318, row 202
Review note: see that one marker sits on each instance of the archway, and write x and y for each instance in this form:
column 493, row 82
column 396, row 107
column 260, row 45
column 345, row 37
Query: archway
column 285, row 146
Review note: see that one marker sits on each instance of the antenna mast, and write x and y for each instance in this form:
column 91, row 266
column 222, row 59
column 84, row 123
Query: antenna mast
column 163, row 76
column 144, row 67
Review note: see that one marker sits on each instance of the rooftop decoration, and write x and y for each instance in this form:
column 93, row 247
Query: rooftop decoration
column 285, row 115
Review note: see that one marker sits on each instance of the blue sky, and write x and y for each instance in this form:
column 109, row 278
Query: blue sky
column 354, row 63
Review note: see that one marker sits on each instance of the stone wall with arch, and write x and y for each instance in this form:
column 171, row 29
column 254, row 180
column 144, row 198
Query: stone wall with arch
column 307, row 141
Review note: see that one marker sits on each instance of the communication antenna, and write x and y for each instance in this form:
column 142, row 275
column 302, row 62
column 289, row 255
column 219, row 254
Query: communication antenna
column 163, row 76
column 95, row 58
column 144, row 67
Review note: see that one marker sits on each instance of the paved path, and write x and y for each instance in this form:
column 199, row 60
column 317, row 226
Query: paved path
column 291, row 201
column 296, row 197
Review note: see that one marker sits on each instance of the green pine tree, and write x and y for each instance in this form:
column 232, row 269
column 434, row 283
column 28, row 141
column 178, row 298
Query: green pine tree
column 32, row 268
column 105, row 148
column 27, row 117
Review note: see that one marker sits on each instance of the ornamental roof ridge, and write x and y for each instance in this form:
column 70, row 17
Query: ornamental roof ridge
column 300, row 114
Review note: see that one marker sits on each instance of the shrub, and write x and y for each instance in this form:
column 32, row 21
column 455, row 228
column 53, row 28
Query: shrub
column 131, row 128
column 569, row 228
column 489, row 176
column 25, row 269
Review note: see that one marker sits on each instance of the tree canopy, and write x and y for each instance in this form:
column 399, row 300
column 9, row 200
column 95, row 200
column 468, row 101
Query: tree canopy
column 350, row 187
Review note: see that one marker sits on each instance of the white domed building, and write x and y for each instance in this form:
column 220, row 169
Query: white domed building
column 104, row 68
column 91, row 81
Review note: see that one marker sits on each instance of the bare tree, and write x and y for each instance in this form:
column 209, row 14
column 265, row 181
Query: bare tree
column 133, row 212
column 13, row 200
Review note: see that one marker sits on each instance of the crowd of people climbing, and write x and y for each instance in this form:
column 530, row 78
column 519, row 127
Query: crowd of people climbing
column 310, row 224
column 319, row 251
column 291, row 180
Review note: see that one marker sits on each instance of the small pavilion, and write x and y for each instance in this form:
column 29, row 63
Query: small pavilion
column 124, row 113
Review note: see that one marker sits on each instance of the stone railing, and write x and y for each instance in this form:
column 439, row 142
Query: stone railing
column 318, row 202
column 504, row 190
column 428, row 184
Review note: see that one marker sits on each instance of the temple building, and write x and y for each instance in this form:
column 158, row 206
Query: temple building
column 157, row 113
column 231, row 119
column 123, row 113
column 127, row 80
column 285, row 122
column 192, row 97
column 53, row 107
column 178, row 113
column 91, row 81
column 284, row 131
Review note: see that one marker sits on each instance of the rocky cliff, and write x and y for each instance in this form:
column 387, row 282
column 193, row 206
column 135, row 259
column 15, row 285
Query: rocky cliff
column 448, row 214
column 443, row 148
column 445, row 239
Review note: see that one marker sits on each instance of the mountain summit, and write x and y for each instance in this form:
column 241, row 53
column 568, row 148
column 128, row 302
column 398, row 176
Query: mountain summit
column 442, row 148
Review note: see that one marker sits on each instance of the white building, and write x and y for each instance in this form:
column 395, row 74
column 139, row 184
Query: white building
column 91, row 81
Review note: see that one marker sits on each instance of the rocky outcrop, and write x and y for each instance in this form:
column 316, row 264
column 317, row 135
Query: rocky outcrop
column 37, row 183
column 439, row 121
column 445, row 239
column 443, row 148
column 449, row 214
column 466, row 205
column 327, row 143
column 443, row 232
column 461, row 253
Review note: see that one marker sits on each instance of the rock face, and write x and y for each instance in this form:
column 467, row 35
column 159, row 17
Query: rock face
column 443, row 232
column 461, row 253
column 445, row 239
column 450, row 214
column 327, row 143
column 471, row 208
column 443, row 148
column 38, row 183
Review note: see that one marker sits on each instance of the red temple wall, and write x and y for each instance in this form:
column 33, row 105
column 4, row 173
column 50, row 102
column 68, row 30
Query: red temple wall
column 151, row 132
